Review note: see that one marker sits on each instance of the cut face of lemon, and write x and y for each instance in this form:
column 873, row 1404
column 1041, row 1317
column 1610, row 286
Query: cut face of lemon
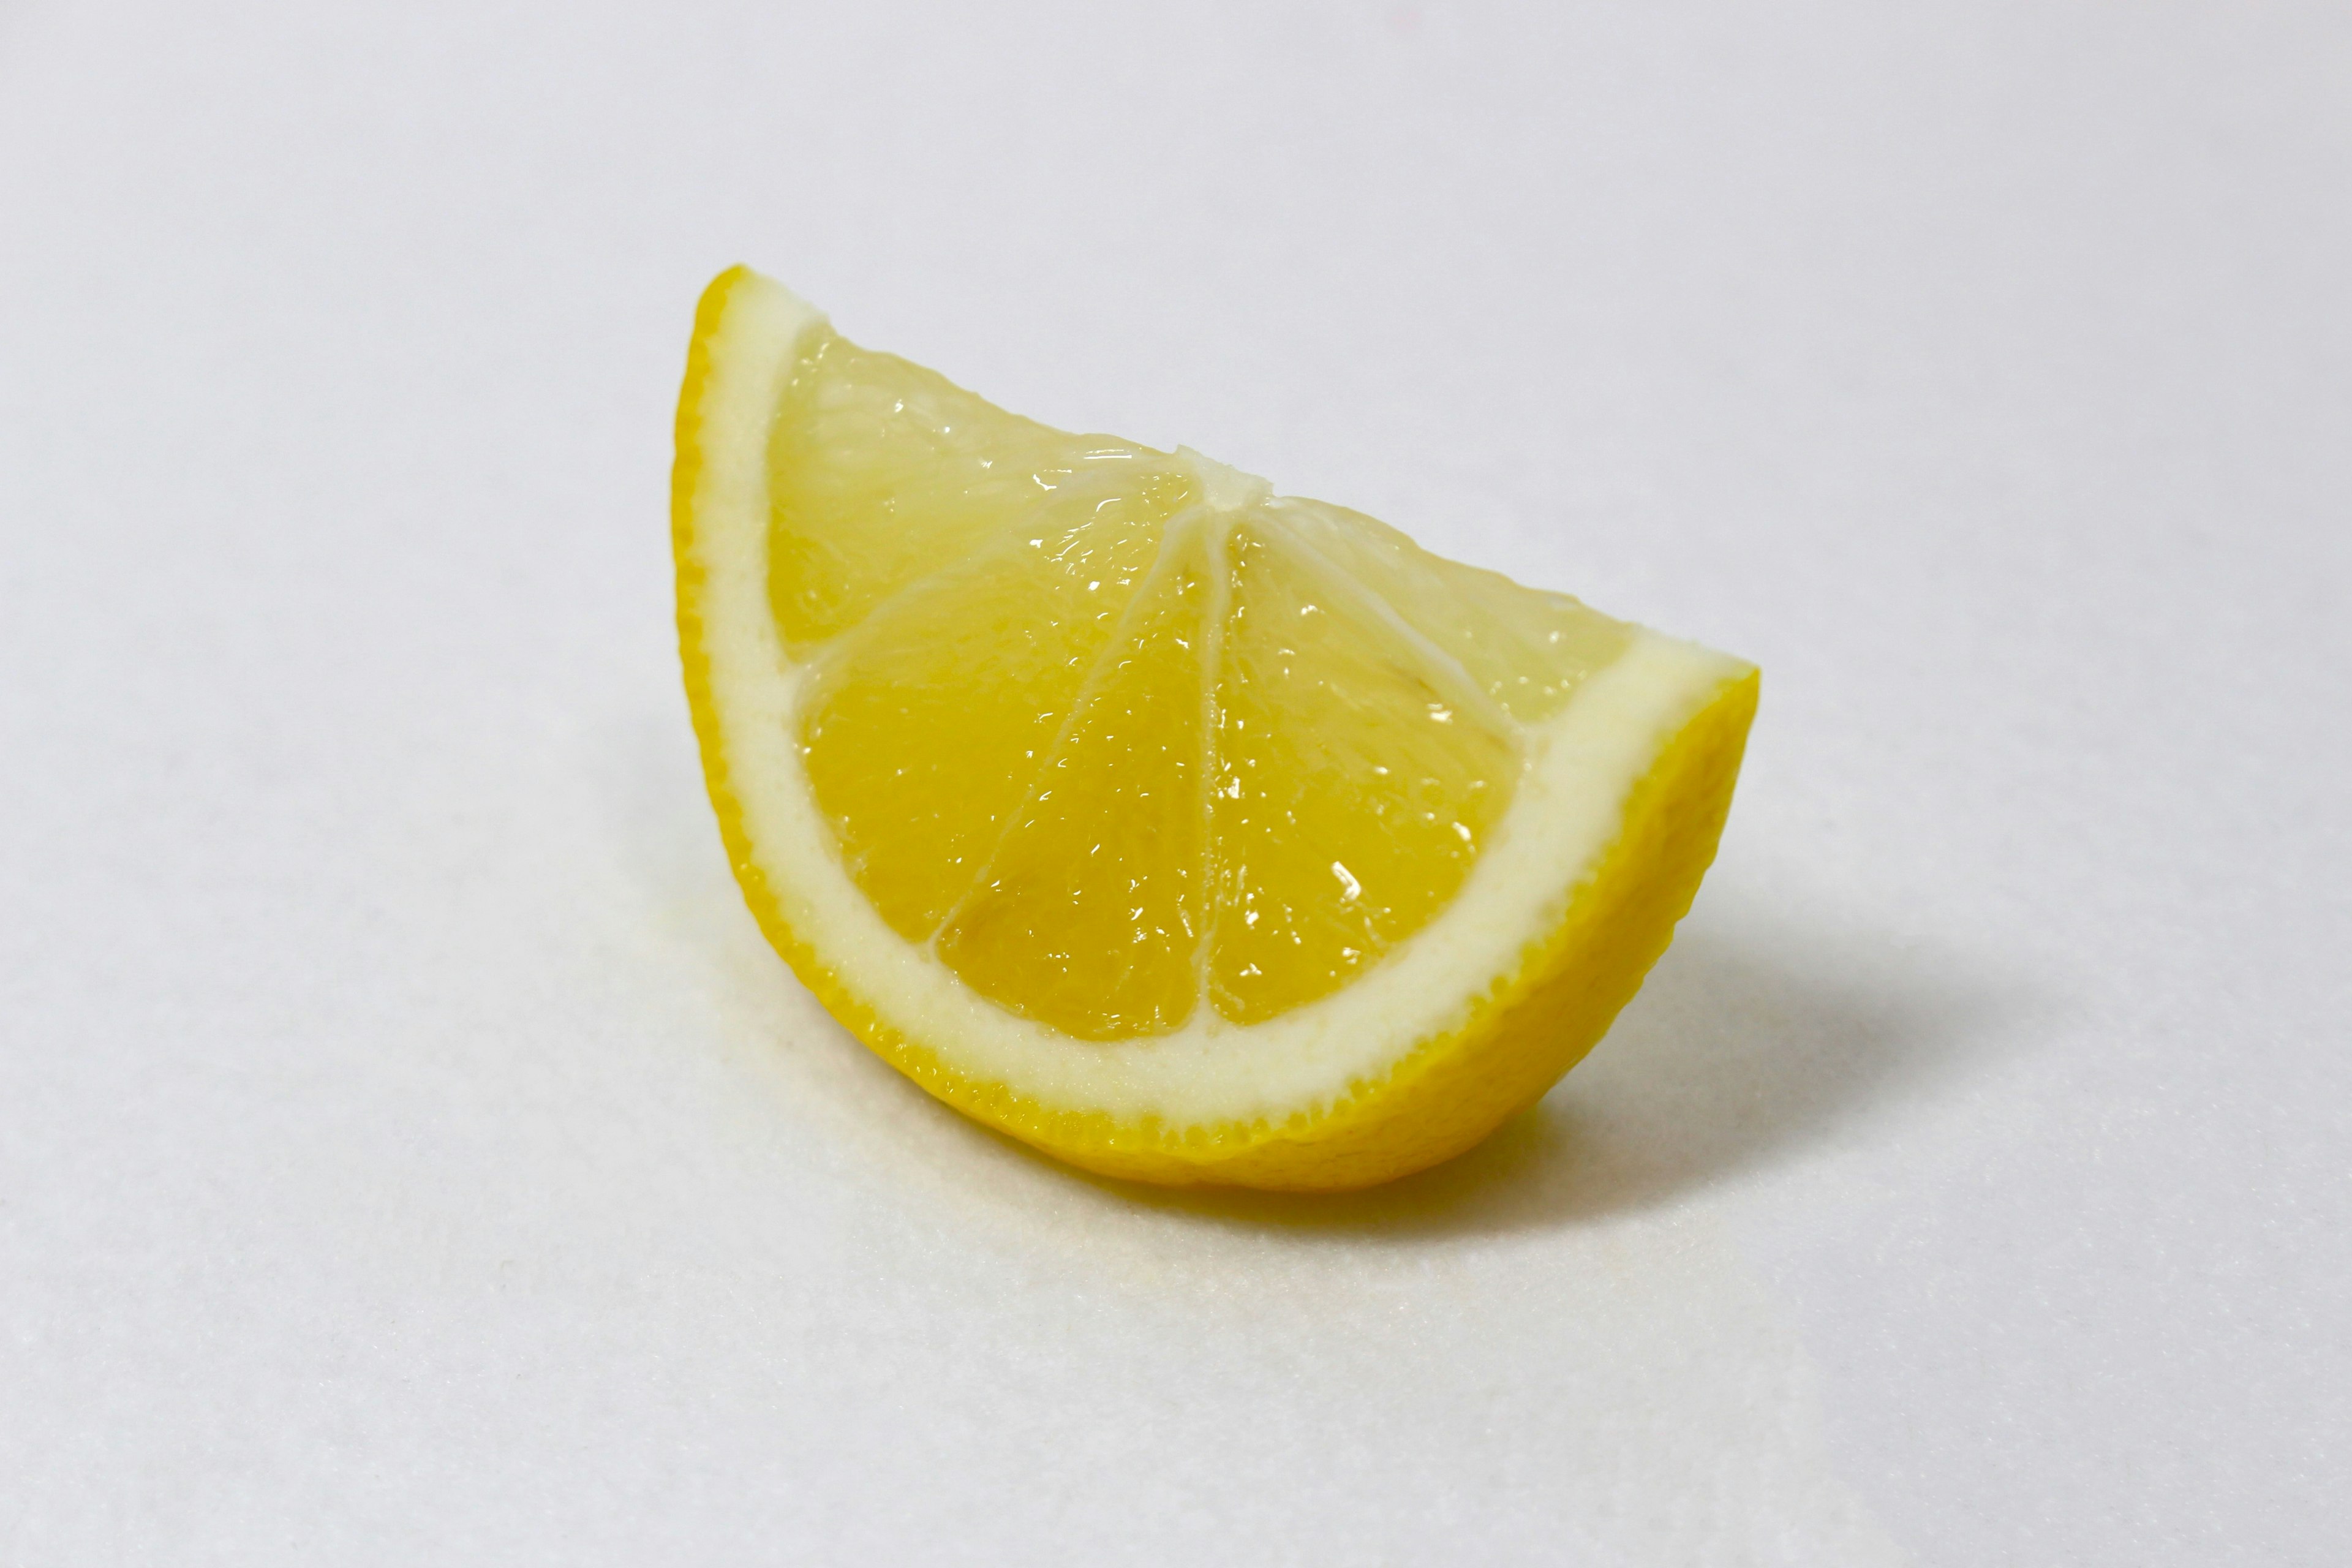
column 1186, row 831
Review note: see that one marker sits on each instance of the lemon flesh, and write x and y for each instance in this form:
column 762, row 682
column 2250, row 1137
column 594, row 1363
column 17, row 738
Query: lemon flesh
column 1185, row 831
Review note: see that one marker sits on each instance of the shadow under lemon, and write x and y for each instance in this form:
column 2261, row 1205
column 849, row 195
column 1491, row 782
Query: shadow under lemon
column 1755, row 1037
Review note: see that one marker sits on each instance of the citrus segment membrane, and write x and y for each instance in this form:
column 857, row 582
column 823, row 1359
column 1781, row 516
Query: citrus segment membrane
column 1089, row 915
column 1357, row 777
column 926, row 728
column 880, row 472
column 1529, row 650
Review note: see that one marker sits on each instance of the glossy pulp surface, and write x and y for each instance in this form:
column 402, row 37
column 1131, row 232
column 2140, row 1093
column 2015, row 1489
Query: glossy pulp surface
column 1126, row 740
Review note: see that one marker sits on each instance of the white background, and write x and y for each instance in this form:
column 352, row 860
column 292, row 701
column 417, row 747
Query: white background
column 410, row 1153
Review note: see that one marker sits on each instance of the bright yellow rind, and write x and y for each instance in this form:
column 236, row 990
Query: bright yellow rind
column 1505, row 1049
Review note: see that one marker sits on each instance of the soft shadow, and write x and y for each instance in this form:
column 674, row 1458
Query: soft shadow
column 1755, row 1041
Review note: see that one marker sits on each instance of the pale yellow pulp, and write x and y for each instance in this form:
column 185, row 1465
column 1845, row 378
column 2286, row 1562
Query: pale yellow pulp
column 1115, row 734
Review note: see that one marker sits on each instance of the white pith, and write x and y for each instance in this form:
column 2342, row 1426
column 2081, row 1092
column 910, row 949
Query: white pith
column 1580, row 766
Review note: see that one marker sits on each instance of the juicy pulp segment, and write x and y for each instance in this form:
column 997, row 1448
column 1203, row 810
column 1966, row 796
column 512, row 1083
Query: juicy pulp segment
column 880, row 472
column 1528, row 649
column 925, row 729
column 1113, row 737
column 1356, row 780
column 1089, row 916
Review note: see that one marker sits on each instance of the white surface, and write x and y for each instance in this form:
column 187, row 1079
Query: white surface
column 409, row 1152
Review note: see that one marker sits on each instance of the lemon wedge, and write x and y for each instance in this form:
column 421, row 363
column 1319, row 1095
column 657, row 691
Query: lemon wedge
column 1183, row 830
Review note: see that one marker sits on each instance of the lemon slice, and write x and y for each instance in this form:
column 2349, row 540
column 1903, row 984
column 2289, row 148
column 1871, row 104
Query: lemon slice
column 1188, row 831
